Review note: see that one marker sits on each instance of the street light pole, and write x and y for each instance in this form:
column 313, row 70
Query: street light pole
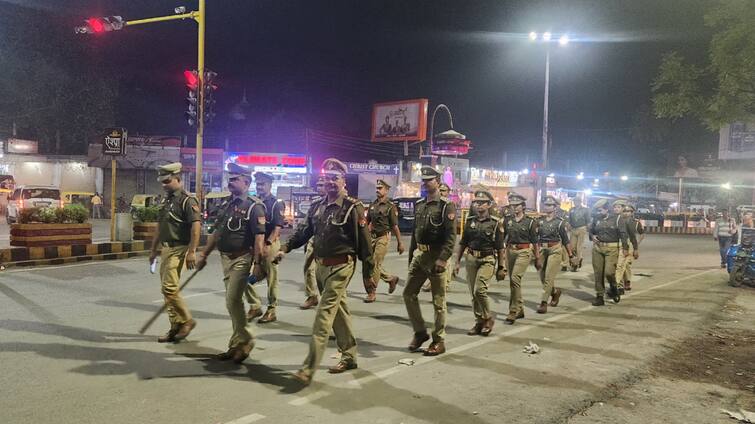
column 200, row 119
column 541, row 176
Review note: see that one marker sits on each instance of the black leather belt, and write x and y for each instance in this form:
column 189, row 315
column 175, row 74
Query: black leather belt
column 481, row 253
column 174, row 243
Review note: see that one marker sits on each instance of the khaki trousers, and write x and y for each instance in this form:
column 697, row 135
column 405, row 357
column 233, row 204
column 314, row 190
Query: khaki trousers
column 332, row 312
column 604, row 260
column 517, row 261
column 479, row 273
column 310, row 272
column 624, row 267
column 271, row 276
column 578, row 237
column 235, row 274
column 171, row 265
column 379, row 250
column 421, row 269
column 551, row 266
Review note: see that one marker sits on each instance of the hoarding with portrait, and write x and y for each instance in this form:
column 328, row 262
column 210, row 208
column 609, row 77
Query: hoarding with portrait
column 404, row 120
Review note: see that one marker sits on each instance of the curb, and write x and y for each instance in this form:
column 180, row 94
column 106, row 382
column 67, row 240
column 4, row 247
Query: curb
column 56, row 255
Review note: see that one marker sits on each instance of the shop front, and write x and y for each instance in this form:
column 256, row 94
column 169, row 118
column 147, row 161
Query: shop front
column 212, row 169
column 361, row 178
column 288, row 170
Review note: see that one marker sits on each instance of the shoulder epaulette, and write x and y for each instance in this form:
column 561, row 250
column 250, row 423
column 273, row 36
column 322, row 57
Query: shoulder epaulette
column 420, row 200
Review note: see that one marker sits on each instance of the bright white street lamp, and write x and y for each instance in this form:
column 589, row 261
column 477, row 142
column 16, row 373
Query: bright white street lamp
column 563, row 40
column 624, row 178
column 533, row 36
column 581, row 176
column 726, row 186
column 547, row 36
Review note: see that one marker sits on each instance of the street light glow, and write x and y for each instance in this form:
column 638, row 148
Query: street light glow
column 581, row 176
column 564, row 40
column 624, row 178
column 547, row 36
column 588, row 192
column 533, row 36
column 726, row 186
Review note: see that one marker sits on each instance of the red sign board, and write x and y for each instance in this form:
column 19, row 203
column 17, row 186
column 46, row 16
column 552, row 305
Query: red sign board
column 255, row 159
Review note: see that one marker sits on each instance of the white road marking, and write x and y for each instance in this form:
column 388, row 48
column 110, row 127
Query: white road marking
column 247, row 419
column 513, row 331
column 307, row 399
column 192, row 295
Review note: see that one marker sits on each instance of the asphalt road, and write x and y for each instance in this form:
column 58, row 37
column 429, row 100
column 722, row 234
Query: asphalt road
column 70, row 351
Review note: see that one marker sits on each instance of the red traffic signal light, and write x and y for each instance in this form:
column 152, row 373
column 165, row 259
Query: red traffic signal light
column 100, row 25
column 192, row 79
column 96, row 24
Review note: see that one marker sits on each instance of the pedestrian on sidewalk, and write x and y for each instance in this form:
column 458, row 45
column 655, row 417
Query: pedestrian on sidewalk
column 382, row 218
column 96, row 206
column 178, row 234
column 725, row 230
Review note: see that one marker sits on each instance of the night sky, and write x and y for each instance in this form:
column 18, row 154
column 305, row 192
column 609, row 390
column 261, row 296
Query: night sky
column 321, row 64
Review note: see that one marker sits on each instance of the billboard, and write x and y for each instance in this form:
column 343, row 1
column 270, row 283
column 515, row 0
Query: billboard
column 16, row 145
column 404, row 120
column 737, row 141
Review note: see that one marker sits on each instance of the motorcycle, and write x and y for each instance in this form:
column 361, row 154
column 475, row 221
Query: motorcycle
column 740, row 259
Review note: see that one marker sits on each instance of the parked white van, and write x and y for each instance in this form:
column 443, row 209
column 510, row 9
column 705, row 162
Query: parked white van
column 31, row 196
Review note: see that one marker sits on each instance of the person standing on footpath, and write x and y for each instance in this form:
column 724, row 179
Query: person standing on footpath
column 96, row 206
column 608, row 233
column 521, row 246
column 382, row 218
column 339, row 228
column 433, row 239
column 239, row 235
column 178, row 231
column 482, row 241
column 311, row 289
column 553, row 237
column 274, row 221
column 725, row 229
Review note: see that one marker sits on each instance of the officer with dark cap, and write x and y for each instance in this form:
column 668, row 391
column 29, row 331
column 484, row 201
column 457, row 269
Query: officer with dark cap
column 433, row 239
column 274, row 221
column 339, row 228
column 382, row 216
column 553, row 237
column 579, row 219
column 445, row 192
column 521, row 245
column 631, row 229
column 608, row 233
column 178, row 234
column 624, row 265
column 239, row 235
column 483, row 243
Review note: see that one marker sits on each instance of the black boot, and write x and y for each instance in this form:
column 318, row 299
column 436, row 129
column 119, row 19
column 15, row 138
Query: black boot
column 598, row 301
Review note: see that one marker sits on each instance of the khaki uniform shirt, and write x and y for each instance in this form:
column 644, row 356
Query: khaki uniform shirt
column 520, row 232
column 552, row 230
column 435, row 225
column 238, row 221
column 338, row 228
column 274, row 209
column 382, row 217
column 611, row 229
column 178, row 211
column 579, row 217
column 483, row 235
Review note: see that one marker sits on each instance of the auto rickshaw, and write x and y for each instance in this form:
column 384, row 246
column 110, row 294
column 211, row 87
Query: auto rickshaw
column 83, row 198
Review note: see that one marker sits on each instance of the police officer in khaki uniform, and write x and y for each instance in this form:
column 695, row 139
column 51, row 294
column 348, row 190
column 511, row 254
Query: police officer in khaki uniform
column 340, row 231
column 631, row 229
column 433, row 239
column 553, row 237
column 579, row 218
column 624, row 265
column 521, row 246
column 608, row 233
column 178, row 236
column 311, row 289
column 482, row 240
column 239, row 235
column 382, row 217
column 445, row 192
column 274, row 221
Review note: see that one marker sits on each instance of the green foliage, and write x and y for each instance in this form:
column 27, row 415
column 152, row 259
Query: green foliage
column 147, row 214
column 70, row 214
column 722, row 90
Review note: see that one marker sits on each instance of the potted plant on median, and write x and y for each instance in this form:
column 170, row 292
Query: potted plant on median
column 145, row 222
column 41, row 227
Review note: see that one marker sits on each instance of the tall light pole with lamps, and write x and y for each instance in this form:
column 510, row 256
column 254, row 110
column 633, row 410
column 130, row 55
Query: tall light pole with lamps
column 547, row 38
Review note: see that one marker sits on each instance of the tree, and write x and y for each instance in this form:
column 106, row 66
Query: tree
column 722, row 90
column 51, row 90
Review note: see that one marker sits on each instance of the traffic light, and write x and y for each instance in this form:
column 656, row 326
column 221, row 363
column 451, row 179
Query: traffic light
column 100, row 25
column 209, row 95
column 192, row 98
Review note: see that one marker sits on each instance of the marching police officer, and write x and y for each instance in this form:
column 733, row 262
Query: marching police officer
column 608, row 233
column 339, row 228
column 624, row 265
column 482, row 240
column 382, row 217
column 445, row 192
column 311, row 289
column 553, row 238
column 579, row 218
column 239, row 235
column 520, row 231
column 631, row 229
column 274, row 221
column 432, row 244
column 178, row 236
